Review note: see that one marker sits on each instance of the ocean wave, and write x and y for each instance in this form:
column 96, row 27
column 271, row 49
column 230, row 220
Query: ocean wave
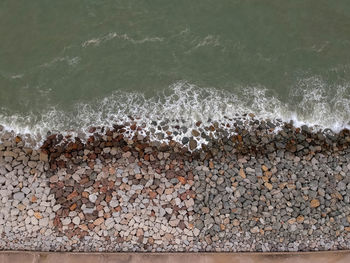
column 311, row 103
column 97, row 41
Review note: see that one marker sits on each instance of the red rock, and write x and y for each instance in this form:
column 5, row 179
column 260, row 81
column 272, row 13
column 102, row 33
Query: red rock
column 84, row 180
column 73, row 207
column 72, row 195
column 182, row 179
column 57, row 222
column 92, row 156
column 211, row 165
column 152, row 194
column 85, row 194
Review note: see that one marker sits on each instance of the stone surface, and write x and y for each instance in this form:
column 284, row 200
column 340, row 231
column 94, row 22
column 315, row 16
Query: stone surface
column 226, row 188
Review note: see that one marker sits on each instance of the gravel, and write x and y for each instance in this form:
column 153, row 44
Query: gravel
column 246, row 190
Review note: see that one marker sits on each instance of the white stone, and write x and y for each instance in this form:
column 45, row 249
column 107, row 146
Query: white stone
column 168, row 210
column 76, row 220
column 93, row 198
column 34, row 221
column 113, row 203
column 109, row 223
column 196, row 231
column 56, row 207
column 174, row 222
column 66, row 221
column 18, row 196
column 44, row 222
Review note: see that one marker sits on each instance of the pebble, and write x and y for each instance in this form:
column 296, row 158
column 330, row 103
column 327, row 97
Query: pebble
column 76, row 220
column 19, row 196
column 93, row 198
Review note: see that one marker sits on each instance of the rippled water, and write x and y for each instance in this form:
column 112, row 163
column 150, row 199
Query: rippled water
column 68, row 65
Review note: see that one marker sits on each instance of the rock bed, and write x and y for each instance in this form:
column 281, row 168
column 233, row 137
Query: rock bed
column 254, row 190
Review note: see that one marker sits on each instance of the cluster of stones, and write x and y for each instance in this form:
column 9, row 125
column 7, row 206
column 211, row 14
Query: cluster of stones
column 256, row 190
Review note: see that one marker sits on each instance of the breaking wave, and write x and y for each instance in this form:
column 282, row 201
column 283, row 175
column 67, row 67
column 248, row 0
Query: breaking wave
column 311, row 102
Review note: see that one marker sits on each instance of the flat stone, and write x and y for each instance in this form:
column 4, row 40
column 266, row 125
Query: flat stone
column 19, row 196
column 315, row 203
column 54, row 179
column 193, row 144
column 32, row 164
column 189, row 203
column 99, row 221
column 174, row 222
column 254, row 230
column 44, row 222
column 76, row 220
column 66, row 221
column 93, row 198
column 242, row 173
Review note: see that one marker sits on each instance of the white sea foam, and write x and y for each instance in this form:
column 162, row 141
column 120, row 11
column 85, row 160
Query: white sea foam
column 311, row 103
column 112, row 35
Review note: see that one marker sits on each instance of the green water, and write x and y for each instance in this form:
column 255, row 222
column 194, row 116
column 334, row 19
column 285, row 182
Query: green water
column 58, row 54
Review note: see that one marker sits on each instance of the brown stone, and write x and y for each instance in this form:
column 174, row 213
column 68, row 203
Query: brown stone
column 205, row 210
column 235, row 222
column 38, row 215
column 139, row 232
column 211, row 165
column 84, row 180
column 193, row 144
column 195, row 133
column 315, row 203
column 99, row 221
column 242, row 173
column 44, row 157
column 182, row 179
column 292, row 221
column 152, row 194
column 84, row 227
column 264, row 168
column 72, row 195
column 168, row 237
column 300, row 219
column 73, row 207
column 268, row 186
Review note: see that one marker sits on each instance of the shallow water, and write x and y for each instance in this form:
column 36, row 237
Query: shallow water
column 69, row 65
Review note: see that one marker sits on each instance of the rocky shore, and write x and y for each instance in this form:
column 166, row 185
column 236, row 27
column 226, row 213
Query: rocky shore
column 253, row 186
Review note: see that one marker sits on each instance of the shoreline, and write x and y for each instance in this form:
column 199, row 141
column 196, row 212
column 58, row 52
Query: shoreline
column 253, row 189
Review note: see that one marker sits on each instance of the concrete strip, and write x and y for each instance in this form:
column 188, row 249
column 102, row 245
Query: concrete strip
column 47, row 257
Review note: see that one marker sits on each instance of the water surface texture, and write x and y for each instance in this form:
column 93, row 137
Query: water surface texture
column 71, row 64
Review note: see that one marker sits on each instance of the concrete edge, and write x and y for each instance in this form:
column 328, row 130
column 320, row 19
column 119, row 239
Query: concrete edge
column 178, row 253
column 341, row 256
